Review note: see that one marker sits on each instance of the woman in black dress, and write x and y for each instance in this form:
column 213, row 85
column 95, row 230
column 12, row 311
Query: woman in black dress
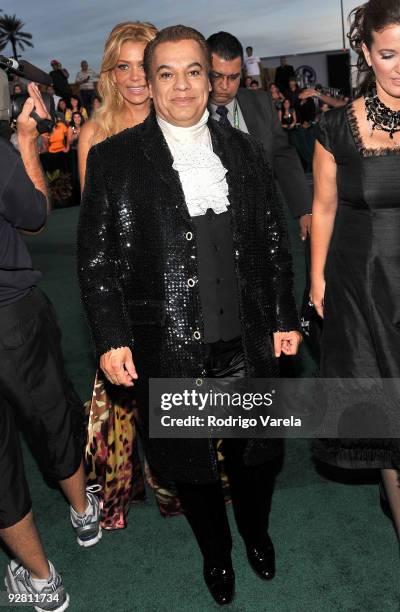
column 356, row 235
column 287, row 116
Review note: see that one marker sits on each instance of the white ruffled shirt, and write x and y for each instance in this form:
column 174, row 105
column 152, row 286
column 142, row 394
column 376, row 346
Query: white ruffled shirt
column 201, row 172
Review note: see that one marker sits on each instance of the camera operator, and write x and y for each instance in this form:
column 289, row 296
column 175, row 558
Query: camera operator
column 33, row 384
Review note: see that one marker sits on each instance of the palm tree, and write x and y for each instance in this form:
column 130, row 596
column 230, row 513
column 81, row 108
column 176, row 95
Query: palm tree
column 11, row 32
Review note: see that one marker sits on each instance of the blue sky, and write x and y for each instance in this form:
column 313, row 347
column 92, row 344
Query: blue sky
column 72, row 30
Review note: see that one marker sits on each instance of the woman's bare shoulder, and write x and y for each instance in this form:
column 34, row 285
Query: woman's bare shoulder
column 88, row 132
column 358, row 104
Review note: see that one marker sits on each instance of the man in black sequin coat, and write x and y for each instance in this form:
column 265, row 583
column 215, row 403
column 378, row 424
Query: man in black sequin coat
column 171, row 293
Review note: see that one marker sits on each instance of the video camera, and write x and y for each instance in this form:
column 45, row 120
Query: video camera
column 11, row 106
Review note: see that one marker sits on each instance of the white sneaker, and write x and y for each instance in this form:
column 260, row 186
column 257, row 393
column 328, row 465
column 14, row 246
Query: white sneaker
column 52, row 597
column 87, row 526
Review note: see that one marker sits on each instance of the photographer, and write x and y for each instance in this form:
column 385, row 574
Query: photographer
column 33, row 383
column 60, row 76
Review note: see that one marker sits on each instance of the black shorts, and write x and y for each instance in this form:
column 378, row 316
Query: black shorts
column 35, row 392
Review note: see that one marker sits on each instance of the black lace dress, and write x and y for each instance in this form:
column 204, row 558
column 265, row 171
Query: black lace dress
column 361, row 337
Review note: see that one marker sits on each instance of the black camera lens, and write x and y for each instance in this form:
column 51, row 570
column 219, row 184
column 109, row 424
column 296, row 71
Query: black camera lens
column 18, row 100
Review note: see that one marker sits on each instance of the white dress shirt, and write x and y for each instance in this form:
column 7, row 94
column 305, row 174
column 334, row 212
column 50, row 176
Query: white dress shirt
column 233, row 104
column 201, row 172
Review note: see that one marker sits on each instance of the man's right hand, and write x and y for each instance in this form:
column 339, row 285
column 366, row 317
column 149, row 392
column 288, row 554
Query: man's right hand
column 118, row 367
column 305, row 226
column 26, row 125
column 27, row 136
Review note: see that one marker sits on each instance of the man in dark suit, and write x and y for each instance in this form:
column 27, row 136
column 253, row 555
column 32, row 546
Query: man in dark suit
column 283, row 74
column 254, row 112
column 185, row 273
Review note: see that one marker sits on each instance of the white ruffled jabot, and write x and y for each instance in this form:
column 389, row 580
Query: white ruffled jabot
column 201, row 172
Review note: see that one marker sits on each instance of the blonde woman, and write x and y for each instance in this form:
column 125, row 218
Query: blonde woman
column 111, row 453
column 122, row 87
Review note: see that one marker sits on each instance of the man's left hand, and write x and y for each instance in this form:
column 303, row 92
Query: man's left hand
column 287, row 342
column 305, row 226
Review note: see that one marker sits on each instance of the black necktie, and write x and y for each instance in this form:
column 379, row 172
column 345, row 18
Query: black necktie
column 222, row 111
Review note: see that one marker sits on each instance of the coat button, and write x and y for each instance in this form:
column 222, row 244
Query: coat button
column 197, row 335
column 189, row 236
column 191, row 282
column 199, row 382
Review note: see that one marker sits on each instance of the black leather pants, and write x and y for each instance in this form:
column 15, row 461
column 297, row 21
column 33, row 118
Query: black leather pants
column 251, row 487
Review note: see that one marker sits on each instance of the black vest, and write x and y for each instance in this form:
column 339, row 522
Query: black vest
column 217, row 277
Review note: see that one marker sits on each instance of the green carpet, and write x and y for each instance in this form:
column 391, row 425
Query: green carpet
column 335, row 549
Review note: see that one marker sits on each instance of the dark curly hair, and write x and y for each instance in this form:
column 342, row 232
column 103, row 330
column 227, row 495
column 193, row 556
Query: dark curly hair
column 373, row 16
column 72, row 122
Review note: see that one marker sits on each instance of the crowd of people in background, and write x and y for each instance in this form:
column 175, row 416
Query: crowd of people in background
column 185, row 271
column 298, row 109
column 73, row 106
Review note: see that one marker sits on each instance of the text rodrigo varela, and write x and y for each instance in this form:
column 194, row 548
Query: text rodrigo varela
column 229, row 421
column 209, row 401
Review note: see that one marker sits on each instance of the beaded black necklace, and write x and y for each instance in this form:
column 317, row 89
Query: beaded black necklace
column 379, row 115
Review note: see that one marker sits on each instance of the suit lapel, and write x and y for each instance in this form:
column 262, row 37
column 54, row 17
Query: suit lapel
column 156, row 150
column 248, row 111
column 230, row 158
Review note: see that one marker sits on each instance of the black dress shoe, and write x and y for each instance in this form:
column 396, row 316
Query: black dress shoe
column 262, row 558
column 220, row 582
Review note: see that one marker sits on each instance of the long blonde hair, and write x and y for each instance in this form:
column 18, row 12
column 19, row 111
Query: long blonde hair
column 108, row 119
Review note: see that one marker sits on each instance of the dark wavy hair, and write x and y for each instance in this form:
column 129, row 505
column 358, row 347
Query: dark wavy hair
column 373, row 16
column 58, row 105
column 74, row 97
column 72, row 122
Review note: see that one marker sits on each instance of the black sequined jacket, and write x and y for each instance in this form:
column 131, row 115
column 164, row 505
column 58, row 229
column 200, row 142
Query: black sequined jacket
column 137, row 251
